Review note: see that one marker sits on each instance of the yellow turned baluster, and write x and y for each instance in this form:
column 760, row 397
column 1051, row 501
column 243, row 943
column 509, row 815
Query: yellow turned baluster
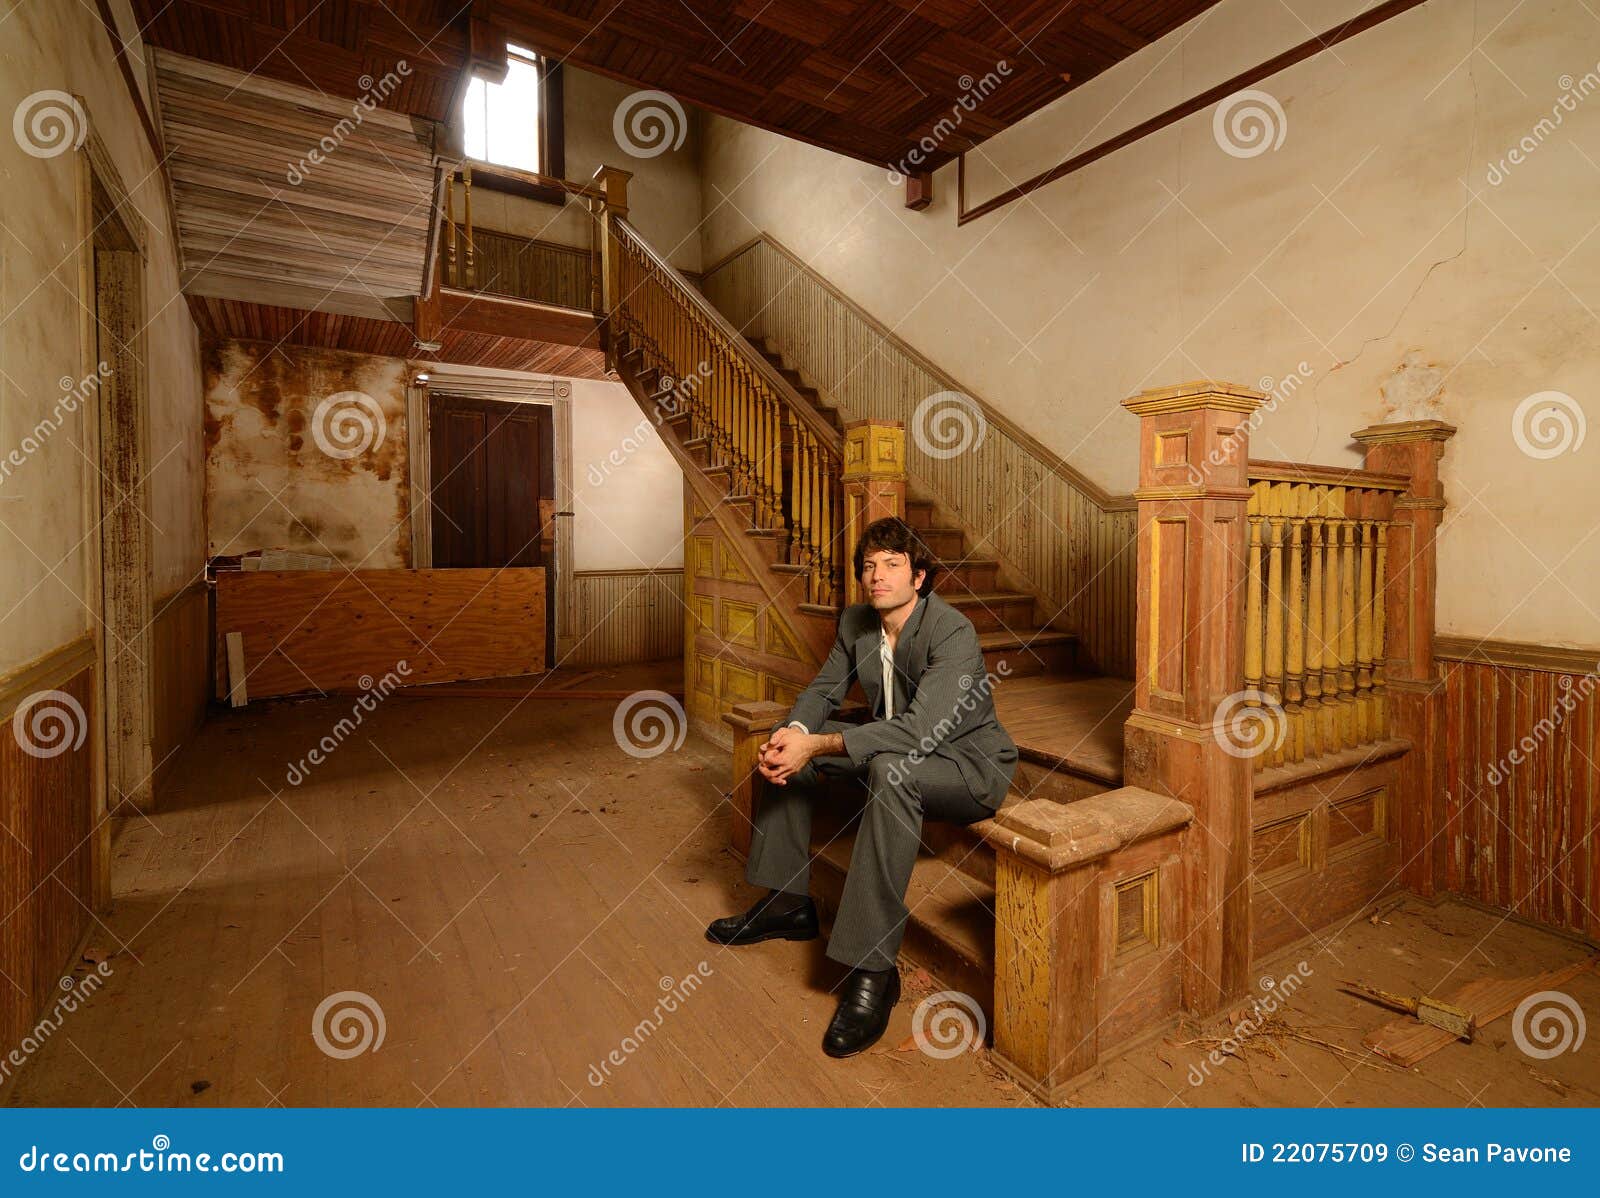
column 1314, row 623
column 829, row 534
column 466, row 204
column 796, row 490
column 1272, row 680
column 1294, row 648
column 1347, row 625
column 1368, row 532
column 1380, row 652
column 1255, row 590
column 450, row 233
column 1331, row 721
column 802, row 555
column 777, row 465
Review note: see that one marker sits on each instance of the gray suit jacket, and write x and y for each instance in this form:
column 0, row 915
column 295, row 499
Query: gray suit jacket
column 943, row 703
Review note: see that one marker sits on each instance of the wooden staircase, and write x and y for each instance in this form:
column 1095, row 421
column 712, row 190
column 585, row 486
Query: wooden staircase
column 763, row 449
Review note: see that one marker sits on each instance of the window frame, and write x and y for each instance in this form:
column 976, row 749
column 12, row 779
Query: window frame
column 492, row 176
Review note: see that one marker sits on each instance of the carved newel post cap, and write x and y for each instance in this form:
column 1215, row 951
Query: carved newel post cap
column 1404, row 431
column 1196, row 395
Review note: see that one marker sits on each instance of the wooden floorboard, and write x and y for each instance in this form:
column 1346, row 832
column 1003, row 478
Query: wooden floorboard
column 509, row 887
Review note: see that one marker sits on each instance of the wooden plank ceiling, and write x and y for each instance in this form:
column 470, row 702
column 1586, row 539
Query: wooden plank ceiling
column 865, row 78
column 259, row 219
column 221, row 319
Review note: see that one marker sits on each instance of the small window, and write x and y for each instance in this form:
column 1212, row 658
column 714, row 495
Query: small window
column 503, row 120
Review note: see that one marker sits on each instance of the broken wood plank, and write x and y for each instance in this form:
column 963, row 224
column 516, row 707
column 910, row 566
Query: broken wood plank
column 1405, row 1042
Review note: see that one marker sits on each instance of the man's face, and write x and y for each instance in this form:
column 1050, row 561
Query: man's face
column 888, row 580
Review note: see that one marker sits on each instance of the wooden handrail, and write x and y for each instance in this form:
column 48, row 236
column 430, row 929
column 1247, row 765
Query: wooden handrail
column 1324, row 476
column 532, row 179
column 808, row 414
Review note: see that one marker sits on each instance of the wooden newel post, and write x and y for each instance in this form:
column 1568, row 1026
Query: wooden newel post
column 752, row 724
column 1414, row 689
column 874, row 482
column 1194, row 446
column 613, row 184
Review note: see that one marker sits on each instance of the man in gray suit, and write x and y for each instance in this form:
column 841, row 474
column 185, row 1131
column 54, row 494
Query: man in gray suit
column 932, row 750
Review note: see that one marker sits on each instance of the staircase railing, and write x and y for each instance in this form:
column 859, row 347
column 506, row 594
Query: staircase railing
column 779, row 452
column 1060, row 535
column 1314, row 647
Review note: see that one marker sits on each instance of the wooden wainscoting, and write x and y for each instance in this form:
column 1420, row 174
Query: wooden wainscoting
column 1324, row 845
column 623, row 616
column 47, row 846
column 1522, row 802
column 180, row 665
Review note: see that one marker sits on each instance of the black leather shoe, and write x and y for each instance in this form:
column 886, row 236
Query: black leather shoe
column 865, row 1004
column 758, row 924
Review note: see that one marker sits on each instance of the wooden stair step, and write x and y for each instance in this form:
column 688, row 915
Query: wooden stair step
column 992, row 611
column 950, row 929
column 1028, row 652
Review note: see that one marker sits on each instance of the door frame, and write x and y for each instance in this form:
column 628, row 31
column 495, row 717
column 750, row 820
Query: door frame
column 122, row 768
column 511, row 387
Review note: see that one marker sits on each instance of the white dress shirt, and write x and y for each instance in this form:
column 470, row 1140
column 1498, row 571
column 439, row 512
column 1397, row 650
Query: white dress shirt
column 886, row 656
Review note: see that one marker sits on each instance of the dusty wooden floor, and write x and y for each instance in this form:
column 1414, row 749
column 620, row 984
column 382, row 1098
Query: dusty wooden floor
column 518, row 897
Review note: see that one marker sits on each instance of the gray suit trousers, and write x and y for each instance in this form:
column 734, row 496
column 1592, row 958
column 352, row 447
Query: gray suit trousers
column 900, row 795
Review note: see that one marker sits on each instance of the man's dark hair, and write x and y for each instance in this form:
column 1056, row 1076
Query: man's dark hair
column 895, row 535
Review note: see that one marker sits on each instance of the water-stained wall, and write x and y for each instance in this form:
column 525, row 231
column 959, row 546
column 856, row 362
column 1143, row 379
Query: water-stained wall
column 306, row 450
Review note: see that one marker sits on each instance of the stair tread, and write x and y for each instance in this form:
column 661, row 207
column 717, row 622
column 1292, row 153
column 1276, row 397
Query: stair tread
column 1004, row 639
column 952, row 905
column 986, row 597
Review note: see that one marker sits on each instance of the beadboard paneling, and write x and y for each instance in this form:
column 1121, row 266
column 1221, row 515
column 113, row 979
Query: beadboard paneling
column 46, row 855
column 627, row 616
column 1522, row 800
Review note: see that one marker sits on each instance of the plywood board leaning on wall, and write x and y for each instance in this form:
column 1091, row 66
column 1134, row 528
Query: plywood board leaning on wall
column 306, row 631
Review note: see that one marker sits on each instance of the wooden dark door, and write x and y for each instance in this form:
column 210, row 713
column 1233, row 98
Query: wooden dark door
column 493, row 463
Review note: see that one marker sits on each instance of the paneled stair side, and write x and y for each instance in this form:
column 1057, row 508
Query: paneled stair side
column 950, row 899
column 765, row 551
column 1006, row 619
